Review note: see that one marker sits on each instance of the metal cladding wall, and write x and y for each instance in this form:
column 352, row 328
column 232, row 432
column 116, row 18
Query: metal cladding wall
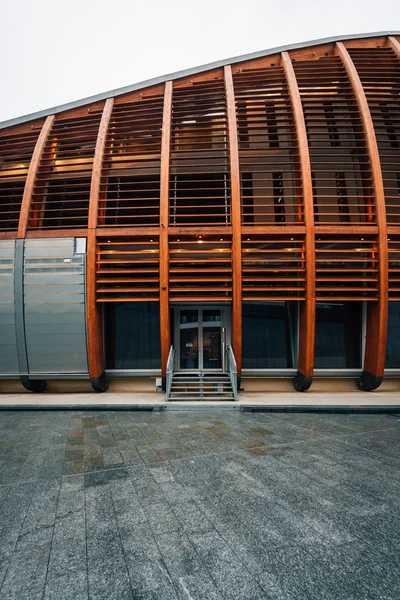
column 269, row 177
column 42, row 309
column 54, row 307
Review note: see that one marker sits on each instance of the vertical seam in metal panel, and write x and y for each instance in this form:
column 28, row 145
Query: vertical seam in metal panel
column 375, row 354
column 235, row 218
column 307, row 333
column 19, row 306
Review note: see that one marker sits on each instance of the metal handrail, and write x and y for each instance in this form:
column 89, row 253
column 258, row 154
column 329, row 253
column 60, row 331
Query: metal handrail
column 231, row 368
column 169, row 372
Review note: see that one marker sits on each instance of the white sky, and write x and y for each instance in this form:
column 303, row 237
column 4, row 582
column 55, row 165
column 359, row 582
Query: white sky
column 57, row 51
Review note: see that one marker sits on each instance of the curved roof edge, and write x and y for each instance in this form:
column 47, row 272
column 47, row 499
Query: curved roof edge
column 186, row 73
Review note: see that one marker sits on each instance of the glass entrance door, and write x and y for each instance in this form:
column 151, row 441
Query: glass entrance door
column 200, row 339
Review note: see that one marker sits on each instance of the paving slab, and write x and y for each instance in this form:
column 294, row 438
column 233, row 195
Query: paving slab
column 199, row 505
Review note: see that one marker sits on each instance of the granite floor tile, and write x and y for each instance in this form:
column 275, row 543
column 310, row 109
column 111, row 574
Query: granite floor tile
column 198, row 505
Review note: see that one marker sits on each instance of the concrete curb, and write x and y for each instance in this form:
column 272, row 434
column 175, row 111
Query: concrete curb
column 372, row 409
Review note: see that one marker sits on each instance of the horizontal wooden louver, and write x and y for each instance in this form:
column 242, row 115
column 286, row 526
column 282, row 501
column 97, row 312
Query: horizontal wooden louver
column 273, row 267
column 394, row 267
column 346, row 267
column 16, row 151
column 199, row 167
column 268, row 154
column 379, row 71
column 341, row 175
column 130, row 181
column 200, row 268
column 61, row 192
column 127, row 269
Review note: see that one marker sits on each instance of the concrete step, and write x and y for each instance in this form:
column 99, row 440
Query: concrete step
column 197, row 387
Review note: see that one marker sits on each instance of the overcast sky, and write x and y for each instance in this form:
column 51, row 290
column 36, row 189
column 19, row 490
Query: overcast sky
column 57, row 51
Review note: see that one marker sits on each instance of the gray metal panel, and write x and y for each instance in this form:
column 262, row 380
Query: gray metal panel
column 8, row 339
column 188, row 72
column 54, row 307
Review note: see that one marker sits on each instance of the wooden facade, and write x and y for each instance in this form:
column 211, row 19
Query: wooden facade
column 274, row 178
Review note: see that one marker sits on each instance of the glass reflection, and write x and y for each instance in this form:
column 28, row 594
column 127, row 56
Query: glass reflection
column 132, row 331
column 393, row 337
column 338, row 335
column 269, row 335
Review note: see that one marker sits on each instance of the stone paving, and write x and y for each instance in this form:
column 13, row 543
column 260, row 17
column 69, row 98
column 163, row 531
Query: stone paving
column 199, row 505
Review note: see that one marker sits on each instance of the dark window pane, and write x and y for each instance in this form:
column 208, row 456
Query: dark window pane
column 133, row 335
column 338, row 336
column 393, row 339
column 268, row 339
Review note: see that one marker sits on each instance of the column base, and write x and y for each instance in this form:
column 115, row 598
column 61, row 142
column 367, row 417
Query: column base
column 99, row 384
column 368, row 382
column 302, row 382
column 33, row 385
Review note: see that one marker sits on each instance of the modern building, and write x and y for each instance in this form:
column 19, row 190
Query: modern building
column 251, row 205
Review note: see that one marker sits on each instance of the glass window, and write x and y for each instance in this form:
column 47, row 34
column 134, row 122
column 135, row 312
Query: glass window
column 338, row 335
column 133, row 335
column 269, row 335
column 393, row 338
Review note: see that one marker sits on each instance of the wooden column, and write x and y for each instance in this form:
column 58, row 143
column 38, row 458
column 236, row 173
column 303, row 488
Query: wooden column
column 93, row 310
column 305, row 366
column 236, row 218
column 98, row 163
column 377, row 315
column 165, row 326
column 394, row 44
column 31, row 177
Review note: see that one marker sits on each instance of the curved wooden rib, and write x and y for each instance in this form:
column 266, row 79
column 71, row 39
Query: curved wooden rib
column 303, row 378
column 31, row 177
column 375, row 349
column 98, row 163
column 93, row 310
column 94, row 319
column 236, row 220
column 395, row 44
column 165, row 326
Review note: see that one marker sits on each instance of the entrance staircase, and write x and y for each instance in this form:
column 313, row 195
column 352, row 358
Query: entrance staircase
column 201, row 386
column 198, row 386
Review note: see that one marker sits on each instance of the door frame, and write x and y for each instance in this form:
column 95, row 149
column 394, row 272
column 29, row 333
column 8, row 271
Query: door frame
column 225, row 324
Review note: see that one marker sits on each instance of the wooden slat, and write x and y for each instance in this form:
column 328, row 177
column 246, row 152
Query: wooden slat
column 236, row 220
column 273, row 267
column 199, row 175
column 30, row 180
column 268, row 154
column 375, row 349
column 126, row 231
column 56, row 233
column 350, row 229
column 307, row 308
column 130, row 182
column 127, row 267
column 200, row 266
column 8, row 235
column 93, row 311
column 98, row 163
column 61, row 190
column 342, row 188
column 165, row 326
